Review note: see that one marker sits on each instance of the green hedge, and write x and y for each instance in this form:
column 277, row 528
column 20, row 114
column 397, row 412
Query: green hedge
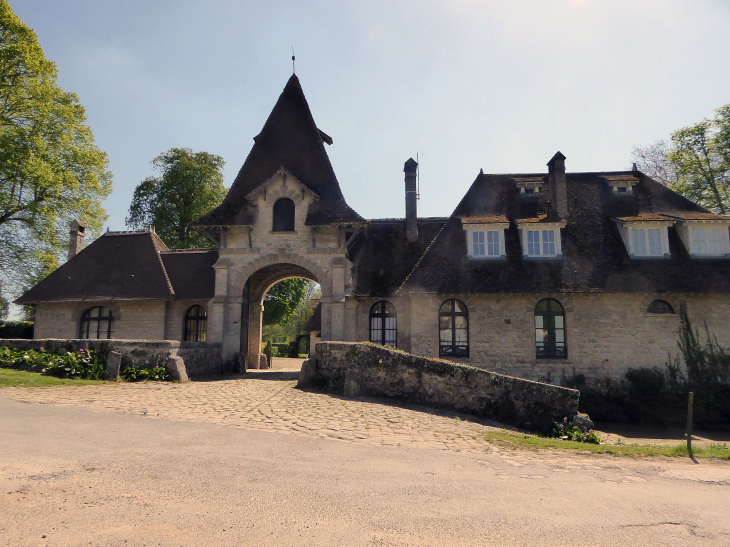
column 16, row 329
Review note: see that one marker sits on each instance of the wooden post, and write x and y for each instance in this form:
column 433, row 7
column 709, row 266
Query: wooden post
column 690, row 401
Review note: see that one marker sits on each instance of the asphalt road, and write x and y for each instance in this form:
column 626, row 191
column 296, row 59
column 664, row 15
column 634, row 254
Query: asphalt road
column 71, row 476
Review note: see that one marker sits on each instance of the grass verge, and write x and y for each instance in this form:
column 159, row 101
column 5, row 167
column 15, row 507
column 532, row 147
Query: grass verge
column 21, row 378
column 533, row 442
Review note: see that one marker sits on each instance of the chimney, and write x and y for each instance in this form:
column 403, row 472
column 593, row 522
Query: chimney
column 558, row 188
column 76, row 239
column 410, row 168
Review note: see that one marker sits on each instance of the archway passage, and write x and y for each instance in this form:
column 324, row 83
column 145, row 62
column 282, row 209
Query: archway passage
column 252, row 307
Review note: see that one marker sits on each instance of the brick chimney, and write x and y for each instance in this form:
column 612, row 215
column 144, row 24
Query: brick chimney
column 410, row 168
column 558, row 187
column 76, row 239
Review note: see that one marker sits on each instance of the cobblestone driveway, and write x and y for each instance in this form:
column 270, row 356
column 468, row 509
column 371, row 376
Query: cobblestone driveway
column 268, row 403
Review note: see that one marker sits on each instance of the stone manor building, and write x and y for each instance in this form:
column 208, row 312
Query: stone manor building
column 533, row 274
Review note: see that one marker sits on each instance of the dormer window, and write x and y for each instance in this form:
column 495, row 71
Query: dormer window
column 486, row 241
column 705, row 238
column 622, row 185
column 540, row 239
column 645, row 237
column 529, row 186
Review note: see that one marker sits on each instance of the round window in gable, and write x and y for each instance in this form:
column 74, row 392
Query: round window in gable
column 660, row 306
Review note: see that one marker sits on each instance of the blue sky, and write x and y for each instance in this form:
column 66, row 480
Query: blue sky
column 468, row 84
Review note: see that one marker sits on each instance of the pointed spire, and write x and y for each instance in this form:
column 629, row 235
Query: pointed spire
column 289, row 139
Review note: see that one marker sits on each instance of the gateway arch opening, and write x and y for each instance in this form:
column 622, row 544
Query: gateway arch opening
column 277, row 302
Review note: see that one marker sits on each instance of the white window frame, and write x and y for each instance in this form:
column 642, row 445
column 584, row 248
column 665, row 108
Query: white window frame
column 554, row 227
column 627, row 235
column 497, row 227
column 686, row 231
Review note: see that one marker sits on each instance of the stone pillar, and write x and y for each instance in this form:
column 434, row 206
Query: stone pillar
column 255, row 328
column 231, row 328
column 216, row 307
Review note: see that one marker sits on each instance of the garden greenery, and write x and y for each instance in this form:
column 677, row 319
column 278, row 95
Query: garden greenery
column 84, row 364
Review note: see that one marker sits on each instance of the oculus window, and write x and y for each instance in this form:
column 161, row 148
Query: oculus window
column 550, row 330
column 96, row 324
column 383, row 328
column 283, row 216
column 196, row 324
column 453, row 329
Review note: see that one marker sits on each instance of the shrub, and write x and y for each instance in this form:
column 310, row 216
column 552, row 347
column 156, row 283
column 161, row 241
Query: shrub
column 16, row 329
column 566, row 431
column 84, row 364
column 134, row 373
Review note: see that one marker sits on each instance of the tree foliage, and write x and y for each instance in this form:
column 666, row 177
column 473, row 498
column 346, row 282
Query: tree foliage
column 283, row 299
column 696, row 163
column 50, row 170
column 190, row 185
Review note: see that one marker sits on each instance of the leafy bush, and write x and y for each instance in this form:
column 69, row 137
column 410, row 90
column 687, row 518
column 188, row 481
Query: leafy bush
column 84, row 364
column 16, row 329
column 566, row 431
column 134, row 373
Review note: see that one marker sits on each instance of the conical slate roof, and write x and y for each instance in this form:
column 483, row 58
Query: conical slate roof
column 289, row 139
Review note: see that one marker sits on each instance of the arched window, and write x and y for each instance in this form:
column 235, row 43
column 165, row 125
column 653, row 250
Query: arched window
column 196, row 324
column 96, row 324
column 660, row 306
column 453, row 329
column 283, row 216
column 383, row 324
column 550, row 330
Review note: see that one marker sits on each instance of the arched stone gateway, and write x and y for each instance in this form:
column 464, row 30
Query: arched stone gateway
column 254, row 291
column 242, row 280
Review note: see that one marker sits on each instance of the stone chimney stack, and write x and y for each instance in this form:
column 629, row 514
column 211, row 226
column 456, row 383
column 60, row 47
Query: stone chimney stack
column 410, row 169
column 558, row 187
column 76, row 239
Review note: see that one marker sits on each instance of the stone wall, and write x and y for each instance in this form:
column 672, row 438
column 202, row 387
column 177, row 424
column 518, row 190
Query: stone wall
column 606, row 334
column 369, row 370
column 201, row 358
column 143, row 320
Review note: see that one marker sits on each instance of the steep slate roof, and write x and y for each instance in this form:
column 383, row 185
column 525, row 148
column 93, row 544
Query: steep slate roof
column 289, row 139
column 594, row 256
column 128, row 265
column 191, row 272
column 384, row 258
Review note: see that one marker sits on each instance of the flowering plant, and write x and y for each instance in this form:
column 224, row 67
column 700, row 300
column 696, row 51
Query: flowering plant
column 566, row 431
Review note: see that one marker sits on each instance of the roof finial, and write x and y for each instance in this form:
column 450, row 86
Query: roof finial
column 293, row 67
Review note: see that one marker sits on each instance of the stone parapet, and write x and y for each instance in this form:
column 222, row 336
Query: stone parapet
column 362, row 369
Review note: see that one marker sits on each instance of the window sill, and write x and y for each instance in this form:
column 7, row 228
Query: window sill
column 661, row 315
column 556, row 257
column 705, row 257
column 293, row 232
column 650, row 257
column 487, row 258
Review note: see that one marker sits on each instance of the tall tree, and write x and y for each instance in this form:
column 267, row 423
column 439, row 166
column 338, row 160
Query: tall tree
column 283, row 299
column 50, row 170
column 190, row 185
column 696, row 163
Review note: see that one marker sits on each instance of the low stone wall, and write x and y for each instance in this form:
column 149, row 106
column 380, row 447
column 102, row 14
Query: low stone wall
column 369, row 370
column 201, row 358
